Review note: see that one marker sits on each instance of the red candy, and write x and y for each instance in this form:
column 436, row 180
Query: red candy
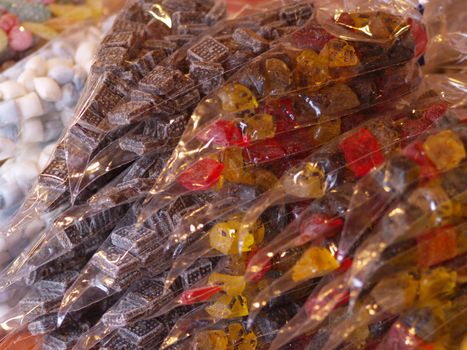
column 420, row 36
column 199, row 295
column 282, row 110
column 223, row 133
column 266, row 267
column 319, row 226
column 436, row 246
column 201, row 175
column 401, row 338
column 8, row 21
column 361, row 152
column 312, row 37
column 413, row 128
column 264, row 151
column 19, row 38
column 415, row 152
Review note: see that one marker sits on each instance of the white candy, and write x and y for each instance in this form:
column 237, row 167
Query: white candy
column 38, row 65
column 25, row 173
column 79, row 78
column 52, row 129
column 59, row 61
column 61, row 74
column 62, row 49
column 45, row 156
column 32, row 131
column 12, row 89
column 9, row 113
column 7, row 148
column 27, row 79
column 30, row 106
column 10, row 194
column 69, row 98
column 85, row 53
column 48, row 89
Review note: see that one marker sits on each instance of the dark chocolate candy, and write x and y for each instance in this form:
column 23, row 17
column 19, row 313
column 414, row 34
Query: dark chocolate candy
column 216, row 12
column 134, row 239
column 139, row 144
column 295, row 13
column 58, row 283
column 56, row 173
column 39, row 302
column 160, row 81
column 181, row 18
column 200, row 269
column 86, row 137
column 144, row 332
column 156, row 29
column 115, row 262
column 123, row 25
column 208, row 75
column 117, row 342
column 179, row 40
column 179, row 5
column 248, row 38
column 124, row 312
column 192, row 29
column 43, row 324
column 155, row 44
column 130, row 112
column 64, row 337
column 110, row 59
column 208, row 50
column 151, row 293
column 127, row 40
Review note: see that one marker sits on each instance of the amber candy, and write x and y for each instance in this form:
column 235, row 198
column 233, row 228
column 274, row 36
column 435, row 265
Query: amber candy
column 237, row 98
column 231, row 285
column 445, row 150
column 309, row 182
column 316, row 261
column 234, row 168
column 278, row 76
column 226, row 307
column 437, row 283
column 259, row 127
column 327, row 129
column 338, row 53
column 210, row 340
column 311, row 71
column 396, row 291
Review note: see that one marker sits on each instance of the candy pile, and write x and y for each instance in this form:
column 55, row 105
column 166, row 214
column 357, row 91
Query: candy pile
column 281, row 180
column 28, row 24
column 39, row 95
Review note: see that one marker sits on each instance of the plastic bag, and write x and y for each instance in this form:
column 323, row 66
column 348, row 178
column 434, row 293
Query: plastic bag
column 42, row 91
column 160, row 225
column 221, row 121
column 26, row 26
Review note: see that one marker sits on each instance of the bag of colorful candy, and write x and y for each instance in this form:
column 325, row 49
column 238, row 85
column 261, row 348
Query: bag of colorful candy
column 125, row 255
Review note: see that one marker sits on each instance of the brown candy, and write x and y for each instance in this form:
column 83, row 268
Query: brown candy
column 115, row 262
column 248, row 38
column 208, row 50
column 122, row 39
column 160, row 81
column 130, row 112
column 139, row 144
column 209, row 75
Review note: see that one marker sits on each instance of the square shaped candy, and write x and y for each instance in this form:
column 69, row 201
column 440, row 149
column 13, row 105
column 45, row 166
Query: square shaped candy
column 160, row 81
column 130, row 112
column 134, row 239
column 63, row 338
column 56, row 172
column 123, row 25
column 115, row 262
column 179, row 40
column 43, row 324
column 58, row 283
column 104, row 101
column 209, row 75
column 199, row 270
column 294, row 13
column 249, row 39
column 124, row 312
column 110, row 59
column 39, row 302
column 139, row 144
column 144, row 332
column 151, row 293
column 117, row 342
column 121, row 39
column 89, row 138
column 208, row 50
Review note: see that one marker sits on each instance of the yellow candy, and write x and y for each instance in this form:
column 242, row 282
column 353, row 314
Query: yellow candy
column 75, row 12
column 260, row 127
column 235, row 332
column 392, row 292
column 309, row 182
column 445, row 150
column 311, row 70
column 437, row 283
column 264, row 179
column 338, row 53
column 278, row 76
column 248, row 342
column 224, row 237
column 211, row 340
column 41, row 30
column 435, row 203
column 60, row 24
column 314, row 262
column 226, row 307
column 327, row 130
column 232, row 285
column 237, row 98
column 234, row 170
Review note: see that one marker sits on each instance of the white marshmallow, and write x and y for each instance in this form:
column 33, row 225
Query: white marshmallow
column 25, row 173
column 32, row 131
column 38, row 65
column 9, row 113
column 61, row 74
column 47, row 89
column 45, row 156
column 12, row 89
column 59, row 61
column 30, row 105
column 7, row 148
column 85, row 53
column 27, row 79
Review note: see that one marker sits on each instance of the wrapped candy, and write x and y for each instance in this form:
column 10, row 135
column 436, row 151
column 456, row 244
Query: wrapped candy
column 25, row 26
